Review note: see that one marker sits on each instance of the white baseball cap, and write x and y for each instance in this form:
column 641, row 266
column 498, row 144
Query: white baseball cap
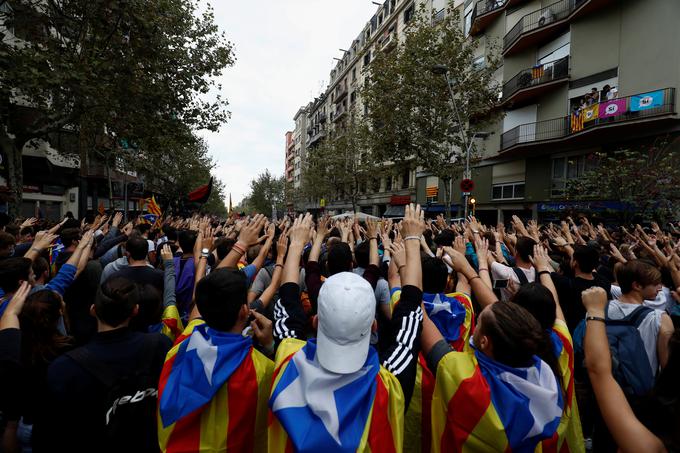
column 346, row 313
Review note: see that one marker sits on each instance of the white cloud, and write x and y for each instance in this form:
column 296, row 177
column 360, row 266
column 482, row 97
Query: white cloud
column 284, row 51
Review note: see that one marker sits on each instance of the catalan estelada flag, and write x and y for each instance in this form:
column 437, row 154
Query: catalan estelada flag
column 54, row 251
column 212, row 394
column 172, row 323
column 569, row 435
column 153, row 207
column 576, row 122
column 480, row 405
column 453, row 314
column 313, row 410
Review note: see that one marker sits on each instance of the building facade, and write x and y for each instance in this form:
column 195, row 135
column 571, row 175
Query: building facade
column 579, row 77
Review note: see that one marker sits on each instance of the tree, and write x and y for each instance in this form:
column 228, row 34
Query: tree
column 410, row 112
column 266, row 191
column 645, row 178
column 340, row 166
column 135, row 71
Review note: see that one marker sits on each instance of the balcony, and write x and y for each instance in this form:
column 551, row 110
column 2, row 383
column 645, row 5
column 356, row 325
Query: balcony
column 389, row 42
column 546, row 23
column 340, row 93
column 318, row 135
column 439, row 16
column 322, row 118
column 486, row 12
column 532, row 82
column 620, row 119
column 339, row 113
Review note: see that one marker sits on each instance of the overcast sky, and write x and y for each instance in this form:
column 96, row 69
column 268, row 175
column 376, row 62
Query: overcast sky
column 284, row 51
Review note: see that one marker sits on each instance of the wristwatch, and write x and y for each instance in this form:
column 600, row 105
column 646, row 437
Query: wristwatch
column 205, row 253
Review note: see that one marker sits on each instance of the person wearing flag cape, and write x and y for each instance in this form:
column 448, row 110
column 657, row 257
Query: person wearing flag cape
column 214, row 386
column 499, row 396
column 336, row 393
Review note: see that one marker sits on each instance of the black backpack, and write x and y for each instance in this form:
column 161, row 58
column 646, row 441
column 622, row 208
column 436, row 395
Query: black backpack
column 521, row 276
column 128, row 414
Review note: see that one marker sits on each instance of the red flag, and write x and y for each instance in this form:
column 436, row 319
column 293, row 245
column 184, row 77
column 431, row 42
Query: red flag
column 201, row 194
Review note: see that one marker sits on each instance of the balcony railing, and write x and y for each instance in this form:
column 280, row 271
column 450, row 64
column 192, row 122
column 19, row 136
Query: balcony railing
column 538, row 75
column 339, row 113
column 620, row 110
column 321, row 133
column 541, row 18
column 486, row 6
column 439, row 16
column 340, row 93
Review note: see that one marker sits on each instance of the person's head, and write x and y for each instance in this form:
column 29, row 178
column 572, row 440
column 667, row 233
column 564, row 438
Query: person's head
column 362, row 253
column 524, row 249
column 606, row 88
column 585, row 259
column 222, row 298
column 186, row 240
column 41, row 270
column 70, row 237
column 339, row 258
column 116, row 302
column 435, row 275
column 136, row 248
column 13, row 229
column 40, row 321
column 7, row 243
column 445, row 238
column 143, row 229
column 13, row 271
column 639, row 277
column 593, row 91
column 170, row 233
column 150, row 304
column 26, row 234
column 539, row 301
column 223, row 247
column 509, row 334
column 346, row 316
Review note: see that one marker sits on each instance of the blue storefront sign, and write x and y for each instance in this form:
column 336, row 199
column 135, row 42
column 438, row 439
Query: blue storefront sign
column 592, row 206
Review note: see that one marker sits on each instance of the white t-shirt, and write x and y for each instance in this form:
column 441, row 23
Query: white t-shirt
column 648, row 329
column 664, row 299
column 502, row 272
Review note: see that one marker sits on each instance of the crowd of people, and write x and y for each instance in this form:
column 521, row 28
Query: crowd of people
column 247, row 334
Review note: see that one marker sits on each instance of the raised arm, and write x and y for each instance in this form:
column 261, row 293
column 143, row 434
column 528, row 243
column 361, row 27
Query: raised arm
column 541, row 262
column 42, row 240
column 248, row 237
column 628, row 433
column 268, row 294
column 484, row 294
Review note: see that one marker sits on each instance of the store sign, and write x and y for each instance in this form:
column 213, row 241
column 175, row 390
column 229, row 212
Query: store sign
column 400, row 200
column 583, row 206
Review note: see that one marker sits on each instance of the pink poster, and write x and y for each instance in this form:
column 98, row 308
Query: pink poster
column 615, row 107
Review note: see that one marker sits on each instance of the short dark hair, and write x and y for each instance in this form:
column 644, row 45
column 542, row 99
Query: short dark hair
column 186, row 240
column 6, row 240
column 143, row 228
column 170, row 232
column 539, row 301
column 435, row 275
column 587, row 257
column 223, row 247
column 137, row 247
column 445, row 238
column 69, row 236
column 116, row 300
column 40, row 265
column 25, row 231
column 362, row 254
column 525, row 247
column 12, row 228
column 220, row 296
column 12, row 271
column 636, row 271
column 339, row 258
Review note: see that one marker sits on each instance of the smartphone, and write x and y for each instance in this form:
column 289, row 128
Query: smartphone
column 498, row 284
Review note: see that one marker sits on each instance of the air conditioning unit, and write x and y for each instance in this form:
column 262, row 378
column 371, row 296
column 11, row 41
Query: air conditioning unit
column 546, row 17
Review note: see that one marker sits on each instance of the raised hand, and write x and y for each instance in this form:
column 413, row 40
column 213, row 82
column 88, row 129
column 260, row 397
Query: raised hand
column 250, row 234
column 31, row 221
column 540, row 259
column 413, row 224
column 398, row 253
column 594, row 300
column 262, row 329
column 166, row 253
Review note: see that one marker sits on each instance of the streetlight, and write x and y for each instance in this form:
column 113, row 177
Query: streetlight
column 473, row 202
column 443, row 70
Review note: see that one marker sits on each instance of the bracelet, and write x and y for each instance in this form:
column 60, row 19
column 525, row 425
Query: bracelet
column 410, row 238
column 483, row 269
column 35, row 249
column 399, row 268
column 370, row 239
column 595, row 318
column 238, row 249
column 278, row 265
column 476, row 276
column 543, row 273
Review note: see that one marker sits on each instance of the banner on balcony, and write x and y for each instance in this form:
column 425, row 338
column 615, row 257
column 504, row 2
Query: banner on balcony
column 591, row 113
column 646, row 101
column 611, row 108
column 576, row 122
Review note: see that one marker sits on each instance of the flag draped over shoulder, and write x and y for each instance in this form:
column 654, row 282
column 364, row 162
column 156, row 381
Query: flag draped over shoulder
column 54, row 252
column 172, row 322
column 453, row 315
column 213, row 393
column 314, row 410
column 482, row 405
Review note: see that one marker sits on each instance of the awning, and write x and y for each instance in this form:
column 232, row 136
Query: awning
column 395, row 211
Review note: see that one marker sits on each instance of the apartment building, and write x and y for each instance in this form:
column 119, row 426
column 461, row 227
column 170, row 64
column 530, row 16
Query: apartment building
column 331, row 110
column 578, row 77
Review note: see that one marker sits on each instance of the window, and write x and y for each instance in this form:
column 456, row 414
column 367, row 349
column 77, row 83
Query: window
column 408, row 14
column 406, row 179
column 354, row 74
column 510, row 191
column 478, row 63
column 566, row 168
column 468, row 18
column 388, row 183
column 353, row 97
column 367, row 58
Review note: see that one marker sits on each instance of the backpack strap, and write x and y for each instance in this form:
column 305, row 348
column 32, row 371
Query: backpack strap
column 635, row 318
column 521, row 276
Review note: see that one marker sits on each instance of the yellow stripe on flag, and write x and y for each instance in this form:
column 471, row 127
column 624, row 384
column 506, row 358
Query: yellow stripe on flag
column 215, row 422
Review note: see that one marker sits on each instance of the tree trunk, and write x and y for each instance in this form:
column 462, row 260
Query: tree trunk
column 82, row 151
column 15, row 172
column 447, row 196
